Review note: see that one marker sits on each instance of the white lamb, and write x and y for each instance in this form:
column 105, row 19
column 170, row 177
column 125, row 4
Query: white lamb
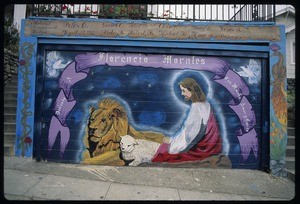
column 140, row 151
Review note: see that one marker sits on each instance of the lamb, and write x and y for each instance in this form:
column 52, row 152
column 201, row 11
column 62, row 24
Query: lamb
column 140, row 151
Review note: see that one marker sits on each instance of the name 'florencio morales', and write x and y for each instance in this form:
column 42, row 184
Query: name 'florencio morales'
column 142, row 58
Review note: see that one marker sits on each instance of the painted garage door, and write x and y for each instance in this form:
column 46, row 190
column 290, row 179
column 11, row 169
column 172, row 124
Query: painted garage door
column 150, row 107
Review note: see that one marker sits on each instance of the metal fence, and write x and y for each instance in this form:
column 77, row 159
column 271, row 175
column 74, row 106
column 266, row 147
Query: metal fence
column 132, row 11
column 172, row 12
column 255, row 12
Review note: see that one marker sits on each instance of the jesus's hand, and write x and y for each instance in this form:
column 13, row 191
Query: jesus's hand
column 166, row 140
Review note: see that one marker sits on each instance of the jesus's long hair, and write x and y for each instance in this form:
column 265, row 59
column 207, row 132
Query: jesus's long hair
column 191, row 85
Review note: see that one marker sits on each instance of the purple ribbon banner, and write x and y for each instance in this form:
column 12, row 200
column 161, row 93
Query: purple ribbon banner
column 247, row 135
column 79, row 69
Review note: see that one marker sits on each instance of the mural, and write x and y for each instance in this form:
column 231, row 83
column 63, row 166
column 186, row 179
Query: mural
column 113, row 108
column 278, row 132
column 24, row 140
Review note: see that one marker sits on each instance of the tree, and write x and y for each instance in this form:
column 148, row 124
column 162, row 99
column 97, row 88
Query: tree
column 11, row 35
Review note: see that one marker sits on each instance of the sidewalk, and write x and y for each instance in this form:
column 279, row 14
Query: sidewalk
column 26, row 179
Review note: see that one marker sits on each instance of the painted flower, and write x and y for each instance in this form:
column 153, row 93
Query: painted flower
column 275, row 47
column 27, row 140
column 64, row 7
column 166, row 13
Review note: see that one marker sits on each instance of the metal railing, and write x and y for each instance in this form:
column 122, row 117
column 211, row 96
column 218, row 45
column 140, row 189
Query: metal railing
column 255, row 12
column 131, row 11
column 171, row 12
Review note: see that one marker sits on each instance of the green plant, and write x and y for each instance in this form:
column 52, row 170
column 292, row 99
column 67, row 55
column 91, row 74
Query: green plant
column 137, row 11
column 11, row 35
column 132, row 11
column 48, row 9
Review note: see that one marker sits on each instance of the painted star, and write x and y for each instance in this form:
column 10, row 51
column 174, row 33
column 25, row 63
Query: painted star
column 134, row 104
column 253, row 98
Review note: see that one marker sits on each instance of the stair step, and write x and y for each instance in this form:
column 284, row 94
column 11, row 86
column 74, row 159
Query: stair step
column 9, row 134
column 10, row 103
column 9, row 140
column 290, row 151
column 291, row 115
column 9, row 127
column 10, row 96
column 10, row 110
column 9, row 118
column 11, row 84
column 291, row 123
column 10, row 89
column 290, row 147
column 290, row 159
column 10, row 143
column 9, row 150
column 291, row 140
column 290, row 164
column 291, row 131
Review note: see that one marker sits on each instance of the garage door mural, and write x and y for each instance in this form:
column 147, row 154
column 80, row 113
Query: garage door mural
column 116, row 108
column 145, row 93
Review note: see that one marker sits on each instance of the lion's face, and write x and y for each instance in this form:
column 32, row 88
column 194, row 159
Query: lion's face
column 99, row 123
column 101, row 119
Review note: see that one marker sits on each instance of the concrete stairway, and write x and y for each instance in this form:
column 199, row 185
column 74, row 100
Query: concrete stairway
column 290, row 150
column 10, row 109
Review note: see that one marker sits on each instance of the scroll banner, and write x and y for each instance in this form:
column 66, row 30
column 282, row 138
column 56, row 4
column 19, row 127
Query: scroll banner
column 79, row 69
column 247, row 135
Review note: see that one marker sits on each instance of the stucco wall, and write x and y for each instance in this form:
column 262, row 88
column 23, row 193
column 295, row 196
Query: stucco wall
column 290, row 38
column 288, row 20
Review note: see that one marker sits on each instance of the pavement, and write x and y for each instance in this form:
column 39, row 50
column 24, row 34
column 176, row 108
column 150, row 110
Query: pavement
column 27, row 179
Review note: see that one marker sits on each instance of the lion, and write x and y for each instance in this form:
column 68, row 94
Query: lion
column 102, row 135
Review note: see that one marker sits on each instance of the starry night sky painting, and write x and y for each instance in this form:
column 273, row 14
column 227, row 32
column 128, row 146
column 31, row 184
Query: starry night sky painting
column 149, row 90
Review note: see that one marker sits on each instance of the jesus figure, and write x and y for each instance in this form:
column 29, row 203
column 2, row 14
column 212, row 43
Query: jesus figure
column 199, row 137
